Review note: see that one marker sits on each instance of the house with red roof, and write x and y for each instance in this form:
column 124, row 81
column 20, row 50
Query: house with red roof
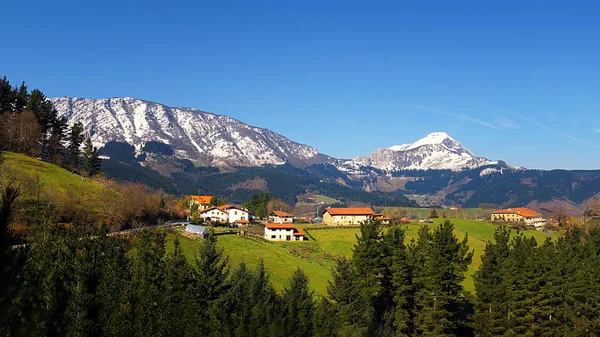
column 236, row 215
column 346, row 216
column 519, row 214
column 203, row 201
column 215, row 214
column 283, row 232
column 281, row 217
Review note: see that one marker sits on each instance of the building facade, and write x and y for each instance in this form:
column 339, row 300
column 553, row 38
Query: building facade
column 519, row 214
column 203, row 201
column 283, row 232
column 346, row 216
column 281, row 217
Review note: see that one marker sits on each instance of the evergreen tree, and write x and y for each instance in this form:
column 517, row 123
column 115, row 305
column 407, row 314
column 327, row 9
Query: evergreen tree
column 433, row 214
column 91, row 162
column 353, row 312
column 298, row 306
column 177, row 306
column 42, row 108
column 258, row 205
column 265, row 302
column 324, row 319
column 147, row 278
column 75, row 139
column 7, row 96
column 490, row 307
column 21, row 98
column 438, row 297
column 56, row 137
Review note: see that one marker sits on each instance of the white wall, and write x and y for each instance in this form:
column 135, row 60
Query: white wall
column 215, row 215
column 279, row 234
column 282, row 219
column 237, row 214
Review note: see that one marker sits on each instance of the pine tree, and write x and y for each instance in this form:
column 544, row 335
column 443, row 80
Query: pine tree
column 75, row 139
column 490, row 306
column 42, row 108
column 7, row 96
column 433, row 214
column 57, row 134
column 21, row 98
column 266, row 302
column 353, row 312
column 91, row 162
column 298, row 306
column 438, row 298
column 177, row 306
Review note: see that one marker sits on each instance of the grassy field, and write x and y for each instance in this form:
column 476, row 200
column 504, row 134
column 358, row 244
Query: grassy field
column 316, row 257
column 49, row 174
column 322, row 198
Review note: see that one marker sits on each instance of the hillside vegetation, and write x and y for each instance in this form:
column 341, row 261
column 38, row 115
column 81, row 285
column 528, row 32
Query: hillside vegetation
column 19, row 166
column 317, row 257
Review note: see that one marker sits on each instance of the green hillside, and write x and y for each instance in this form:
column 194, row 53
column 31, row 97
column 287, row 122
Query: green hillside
column 20, row 167
column 316, row 257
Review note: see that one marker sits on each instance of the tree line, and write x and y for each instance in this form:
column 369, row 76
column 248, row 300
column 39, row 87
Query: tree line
column 29, row 124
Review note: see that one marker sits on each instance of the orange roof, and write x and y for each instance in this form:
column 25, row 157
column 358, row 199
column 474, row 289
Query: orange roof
column 202, row 199
column 522, row 211
column 349, row 211
column 224, row 207
column 280, row 213
column 242, row 221
column 299, row 232
column 280, row 225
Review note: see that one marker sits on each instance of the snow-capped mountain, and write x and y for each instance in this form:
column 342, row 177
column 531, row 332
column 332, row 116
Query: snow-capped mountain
column 193, row 134
column 435, row 151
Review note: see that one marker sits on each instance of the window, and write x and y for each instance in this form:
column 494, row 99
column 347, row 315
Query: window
column 273, row 236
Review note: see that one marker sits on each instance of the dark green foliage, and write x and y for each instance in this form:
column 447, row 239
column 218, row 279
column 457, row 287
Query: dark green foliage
column 75, row 139
column 298, row 306
column 91, row 162
column 158, row 147
column 258, row 205
column 433, row 214
column 214, row 201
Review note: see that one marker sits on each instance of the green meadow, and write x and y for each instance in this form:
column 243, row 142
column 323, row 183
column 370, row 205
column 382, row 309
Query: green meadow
column 317, row 257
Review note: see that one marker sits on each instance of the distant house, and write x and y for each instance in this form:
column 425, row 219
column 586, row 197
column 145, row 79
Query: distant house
column 382, row 219
column 235, row 214
column 519, row 214
column 196, row 229
column 215, row 214
column 346, row 216
column 281, row 217
column 203, row 201
column 283, row 232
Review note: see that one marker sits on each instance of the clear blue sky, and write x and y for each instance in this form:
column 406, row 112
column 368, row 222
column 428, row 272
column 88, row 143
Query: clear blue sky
column 512, row 80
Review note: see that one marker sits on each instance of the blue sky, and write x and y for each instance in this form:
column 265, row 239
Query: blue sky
column 511, row 80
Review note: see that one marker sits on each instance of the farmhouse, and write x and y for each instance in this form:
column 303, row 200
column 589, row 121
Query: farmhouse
column 203, row 201
column 281, row 217
column 519, row 214
column 215, row 214
column 283, row 232
column 235, row 214
column 346, row 216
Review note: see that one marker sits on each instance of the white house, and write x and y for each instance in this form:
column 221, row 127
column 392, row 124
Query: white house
column 283, row 232
column 281, row 217
column 214, row 214
column 235, row 214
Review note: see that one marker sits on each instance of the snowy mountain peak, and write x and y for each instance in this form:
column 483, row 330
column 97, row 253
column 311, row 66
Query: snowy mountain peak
column 437, row 150
column 193, row 134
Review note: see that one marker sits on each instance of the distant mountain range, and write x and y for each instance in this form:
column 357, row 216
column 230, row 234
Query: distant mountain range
column 168, row 144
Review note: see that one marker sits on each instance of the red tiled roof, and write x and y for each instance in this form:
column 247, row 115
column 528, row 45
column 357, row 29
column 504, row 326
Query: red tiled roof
column 202, row 199
column 280, row 225
column 224, row 207
column 349, row 211
column 299, row 232
column 242, row 221
column 522, row 211
column 280, row 213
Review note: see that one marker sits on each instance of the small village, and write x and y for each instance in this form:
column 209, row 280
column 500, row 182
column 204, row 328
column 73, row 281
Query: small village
column 282, row 226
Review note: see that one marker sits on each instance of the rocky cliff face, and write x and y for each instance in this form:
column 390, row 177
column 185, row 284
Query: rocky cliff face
column 193, row 134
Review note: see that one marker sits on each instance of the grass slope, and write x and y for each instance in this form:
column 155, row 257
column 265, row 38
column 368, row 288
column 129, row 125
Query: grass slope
column 316, row 258
column 21, row 166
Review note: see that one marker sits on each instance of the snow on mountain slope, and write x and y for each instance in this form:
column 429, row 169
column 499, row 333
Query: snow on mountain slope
column 435, row 151
column 192, row 134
